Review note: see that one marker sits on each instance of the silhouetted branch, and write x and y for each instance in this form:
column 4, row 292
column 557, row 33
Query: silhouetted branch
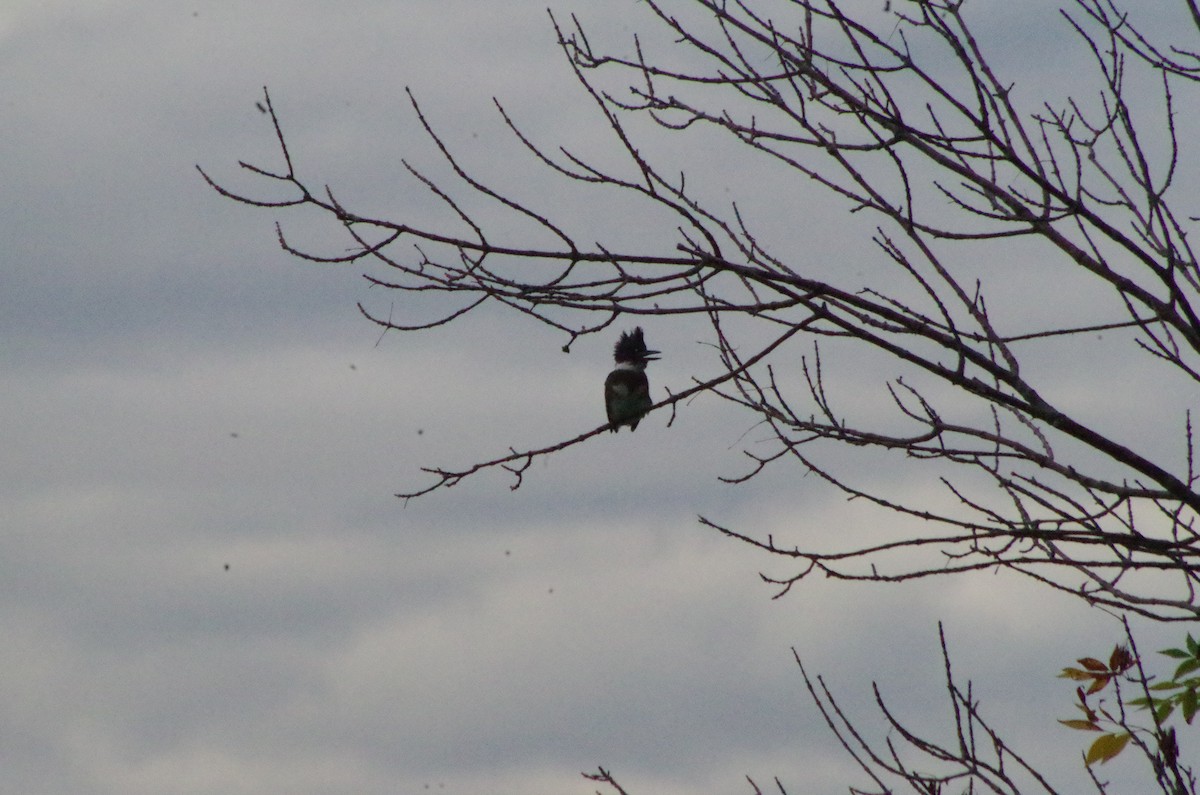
column 901, row 116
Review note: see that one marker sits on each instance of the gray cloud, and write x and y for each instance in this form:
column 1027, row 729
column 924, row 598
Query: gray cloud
column 181, row 396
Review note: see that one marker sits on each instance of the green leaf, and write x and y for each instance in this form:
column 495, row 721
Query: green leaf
column 1163, row 711
column 1106, row 747
column 1074, row 673
column 1167, row 686
column 1187, row 703
column 1081, row 725
column 1178, row 654
column 1186, row 667
column 1192, row 646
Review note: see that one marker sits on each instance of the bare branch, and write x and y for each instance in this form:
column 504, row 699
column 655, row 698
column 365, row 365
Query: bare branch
column 902, row 116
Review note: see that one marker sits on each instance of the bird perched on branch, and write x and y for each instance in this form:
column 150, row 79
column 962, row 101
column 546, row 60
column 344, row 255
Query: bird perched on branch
column 627, row 390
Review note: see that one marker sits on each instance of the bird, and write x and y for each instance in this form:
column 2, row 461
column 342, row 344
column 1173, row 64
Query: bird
column 627, row 390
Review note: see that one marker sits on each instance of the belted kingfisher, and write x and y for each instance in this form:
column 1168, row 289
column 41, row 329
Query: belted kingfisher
column 626, row 390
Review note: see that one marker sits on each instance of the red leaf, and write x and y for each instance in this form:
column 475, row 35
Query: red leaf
column 1120, row 660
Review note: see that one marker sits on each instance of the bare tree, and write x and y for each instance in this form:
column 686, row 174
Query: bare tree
column 975, row 757
column 901, row 113
column 950, row 165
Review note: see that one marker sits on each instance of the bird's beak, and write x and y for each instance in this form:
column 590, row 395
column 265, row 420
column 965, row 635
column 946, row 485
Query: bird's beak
column 651, row 356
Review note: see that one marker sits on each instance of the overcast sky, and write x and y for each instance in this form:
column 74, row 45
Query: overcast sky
column 207, row 584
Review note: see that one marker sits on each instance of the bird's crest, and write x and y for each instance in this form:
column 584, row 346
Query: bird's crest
column 631, row 347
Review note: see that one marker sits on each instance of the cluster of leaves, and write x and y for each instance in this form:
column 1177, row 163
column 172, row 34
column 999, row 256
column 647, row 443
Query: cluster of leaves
column 1160, row 699
column 1182, row 687
column 1099, row 675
